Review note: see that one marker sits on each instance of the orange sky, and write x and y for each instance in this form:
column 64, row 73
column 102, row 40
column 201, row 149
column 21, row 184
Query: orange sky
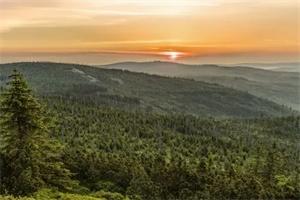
column 196, row 28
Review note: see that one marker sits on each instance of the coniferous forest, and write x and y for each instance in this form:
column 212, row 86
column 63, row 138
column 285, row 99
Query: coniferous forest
column 149, row 100
column 67, row 147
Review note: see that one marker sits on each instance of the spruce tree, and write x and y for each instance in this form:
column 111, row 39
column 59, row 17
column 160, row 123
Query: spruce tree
column 31, row 157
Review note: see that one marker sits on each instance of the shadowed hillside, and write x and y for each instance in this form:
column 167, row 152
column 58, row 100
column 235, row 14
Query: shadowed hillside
column 141, row 91
column 280, row 87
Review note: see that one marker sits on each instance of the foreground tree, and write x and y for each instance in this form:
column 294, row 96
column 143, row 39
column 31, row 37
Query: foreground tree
column 31, row 158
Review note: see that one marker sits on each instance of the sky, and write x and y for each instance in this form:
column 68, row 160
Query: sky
column 190, row 31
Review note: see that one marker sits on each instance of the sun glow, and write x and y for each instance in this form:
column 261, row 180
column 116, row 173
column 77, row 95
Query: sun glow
column 173, row 55
column 171, row 30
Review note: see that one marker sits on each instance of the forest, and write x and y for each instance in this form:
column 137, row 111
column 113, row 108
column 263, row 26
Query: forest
column 72, row 147
column 138, row 91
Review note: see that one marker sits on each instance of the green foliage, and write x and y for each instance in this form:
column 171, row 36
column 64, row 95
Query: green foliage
column 278, row 86
column 106, row 186
column 152, row 156
column 109, row 195
column 131, row 91
column 48, row 194
column 141, row 186
column 15, row 198
column 119, row 154
column 31, row 158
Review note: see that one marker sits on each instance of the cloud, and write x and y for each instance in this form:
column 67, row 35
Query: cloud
column 20, row 13
column 13, row 4
column 141, row 24
column 27, row 13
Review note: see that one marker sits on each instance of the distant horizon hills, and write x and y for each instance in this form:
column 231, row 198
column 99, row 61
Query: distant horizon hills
column 293, row 66
column 270, row 66
column 282, row 87
column 280, row 66
column 277, row 63
column 132, row 90
column 273, row 66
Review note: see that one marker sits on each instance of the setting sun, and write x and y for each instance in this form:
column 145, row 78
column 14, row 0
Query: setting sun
column 149, row 99
column 224, row 30
column 173, row 55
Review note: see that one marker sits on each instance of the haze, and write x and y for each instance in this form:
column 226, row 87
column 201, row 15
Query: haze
column 190, row 31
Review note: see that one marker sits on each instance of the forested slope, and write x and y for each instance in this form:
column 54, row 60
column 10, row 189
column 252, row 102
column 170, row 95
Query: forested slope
column 277, row 86
column 116, row 154
column 179, row 157
column 112, row 153
column 141, row 91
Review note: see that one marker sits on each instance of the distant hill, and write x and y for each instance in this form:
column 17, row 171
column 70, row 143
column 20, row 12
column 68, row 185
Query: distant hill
column 141, row 91
column 280, row 87
column 283, row 67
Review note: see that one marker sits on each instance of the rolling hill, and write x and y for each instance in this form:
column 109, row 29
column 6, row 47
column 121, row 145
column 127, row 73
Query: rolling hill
column 280, row 87
column 131, row 90
column 283, row 67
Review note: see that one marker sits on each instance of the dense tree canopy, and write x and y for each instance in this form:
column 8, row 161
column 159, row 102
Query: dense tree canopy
column 31, row 158
column 117, row 154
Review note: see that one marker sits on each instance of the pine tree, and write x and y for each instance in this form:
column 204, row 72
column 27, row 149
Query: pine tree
column 31, row 157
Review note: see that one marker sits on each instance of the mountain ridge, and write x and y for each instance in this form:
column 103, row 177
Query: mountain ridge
column 280, row 87
column 132, row 90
